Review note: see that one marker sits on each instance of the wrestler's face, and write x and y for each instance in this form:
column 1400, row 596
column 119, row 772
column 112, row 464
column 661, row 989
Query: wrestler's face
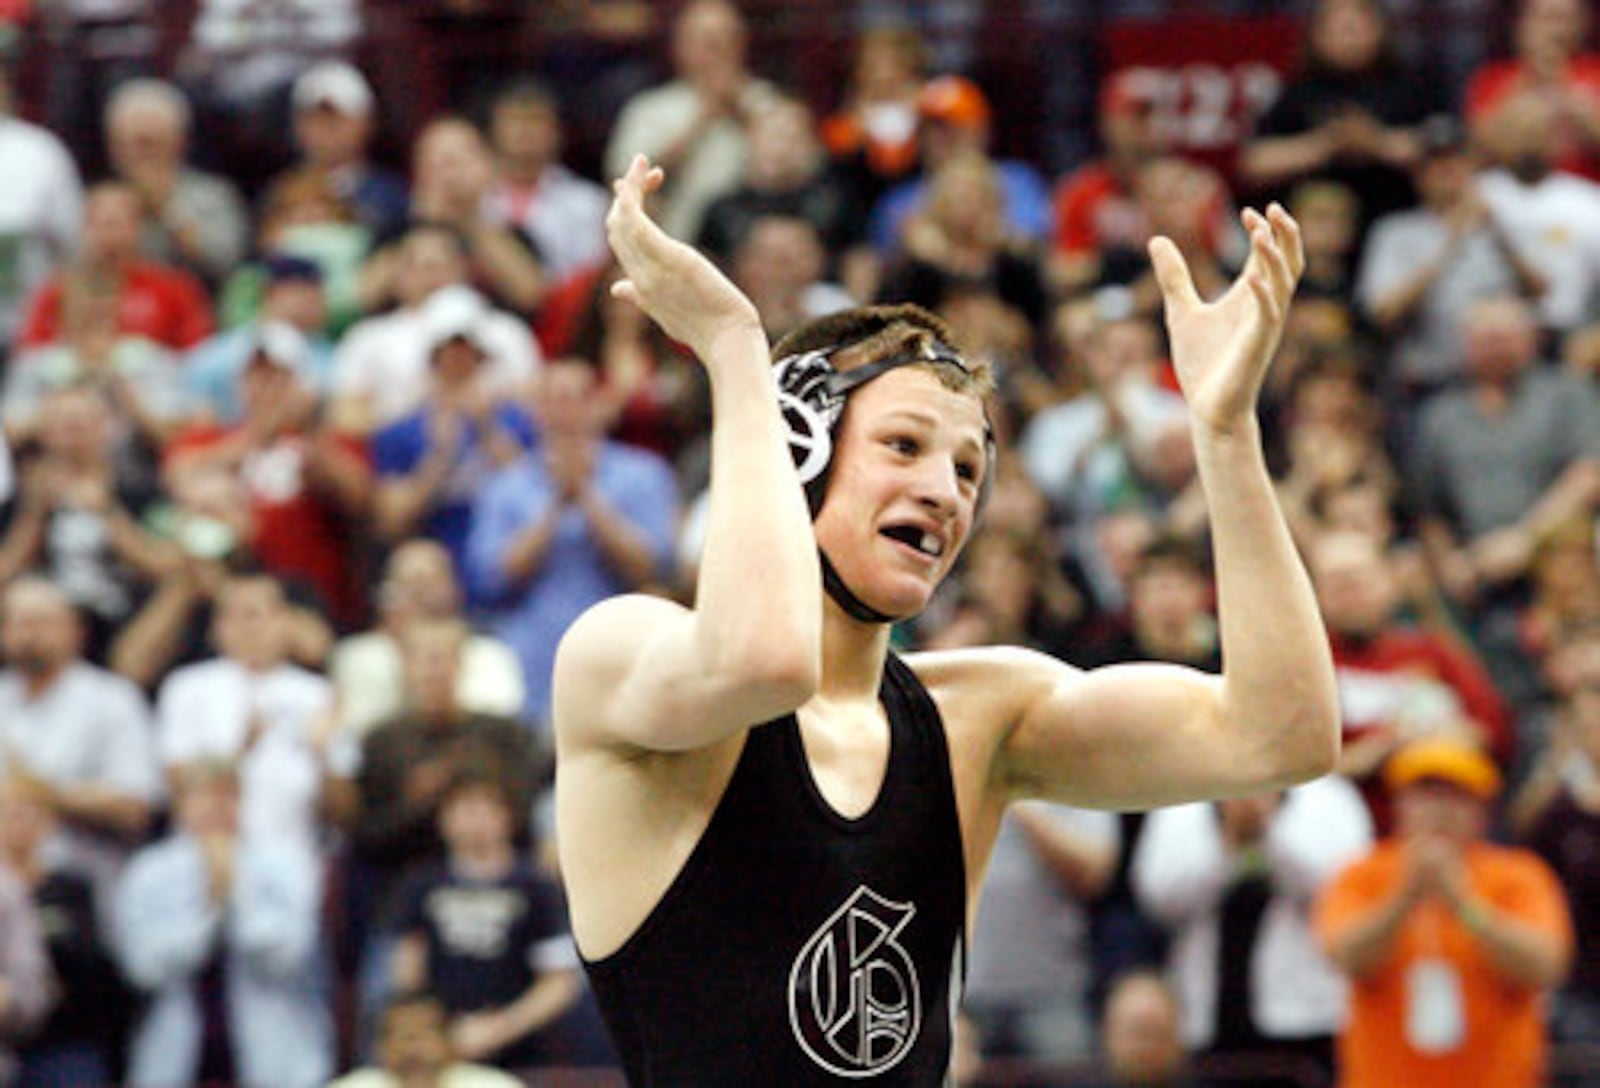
column 907, row 468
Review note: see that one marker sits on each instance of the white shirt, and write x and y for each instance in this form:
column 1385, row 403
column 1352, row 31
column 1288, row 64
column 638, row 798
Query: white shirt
column 384, row 360
column 1182, row 869
column 205, row 711
column 1555, row 225
column 41, row 210
column 564, row 214
column 368, row 675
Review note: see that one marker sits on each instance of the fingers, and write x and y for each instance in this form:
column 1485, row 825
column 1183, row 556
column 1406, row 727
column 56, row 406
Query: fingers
column 1276, row 250
column 1172, row 275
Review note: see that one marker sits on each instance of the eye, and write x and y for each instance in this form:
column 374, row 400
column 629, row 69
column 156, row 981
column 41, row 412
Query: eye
column 967, row 471
column 904, row 444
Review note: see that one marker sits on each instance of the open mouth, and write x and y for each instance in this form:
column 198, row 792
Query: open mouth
column 929, row 544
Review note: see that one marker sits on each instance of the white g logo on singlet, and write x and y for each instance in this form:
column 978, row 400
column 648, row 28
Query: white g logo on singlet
column 854, row 1003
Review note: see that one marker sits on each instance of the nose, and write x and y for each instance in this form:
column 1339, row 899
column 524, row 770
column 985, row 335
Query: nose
column 938, row 486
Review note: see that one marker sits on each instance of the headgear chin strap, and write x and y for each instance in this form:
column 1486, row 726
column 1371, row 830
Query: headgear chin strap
column 811, row 398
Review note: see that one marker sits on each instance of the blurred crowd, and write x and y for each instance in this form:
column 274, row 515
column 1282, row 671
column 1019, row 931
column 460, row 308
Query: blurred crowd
column 305, row 471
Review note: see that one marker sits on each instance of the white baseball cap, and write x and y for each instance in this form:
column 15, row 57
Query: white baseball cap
column 336, row 85
column 455, row 312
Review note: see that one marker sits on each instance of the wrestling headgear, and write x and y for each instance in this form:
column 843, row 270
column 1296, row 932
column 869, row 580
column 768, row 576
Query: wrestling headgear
column 811, row 396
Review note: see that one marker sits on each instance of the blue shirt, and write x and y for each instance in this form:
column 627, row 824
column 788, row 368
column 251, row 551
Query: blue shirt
column 1027, row 201
column 531, row 617
column 400, row 447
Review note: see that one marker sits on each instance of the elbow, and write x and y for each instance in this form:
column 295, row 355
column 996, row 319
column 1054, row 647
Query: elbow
column 1310, row 747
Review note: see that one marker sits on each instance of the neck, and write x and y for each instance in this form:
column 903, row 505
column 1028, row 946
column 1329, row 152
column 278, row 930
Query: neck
column 853, row 653
column 482, row 861
column 38, row 681
column 522, row 172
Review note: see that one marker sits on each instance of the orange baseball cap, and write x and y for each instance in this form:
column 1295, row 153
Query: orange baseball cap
column 953, row 100
column 1442, row 759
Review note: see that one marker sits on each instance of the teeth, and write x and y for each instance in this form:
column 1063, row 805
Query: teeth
column 930, row 544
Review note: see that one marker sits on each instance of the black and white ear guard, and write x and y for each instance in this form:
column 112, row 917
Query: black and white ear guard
column 811, row 398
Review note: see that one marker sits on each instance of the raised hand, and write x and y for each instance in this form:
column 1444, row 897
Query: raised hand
column 1221, row 349
column 676, row 285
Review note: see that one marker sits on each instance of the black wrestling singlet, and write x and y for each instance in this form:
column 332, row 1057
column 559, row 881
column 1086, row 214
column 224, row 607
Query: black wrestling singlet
column 798, row 947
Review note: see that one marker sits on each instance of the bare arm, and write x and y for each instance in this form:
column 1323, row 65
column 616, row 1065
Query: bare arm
column 657, row 676
column 1139, row 735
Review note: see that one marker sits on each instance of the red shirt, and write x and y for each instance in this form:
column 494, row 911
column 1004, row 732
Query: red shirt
column 299, row 534
column 157, row 302
column 1094, row 210
column 1493, row 83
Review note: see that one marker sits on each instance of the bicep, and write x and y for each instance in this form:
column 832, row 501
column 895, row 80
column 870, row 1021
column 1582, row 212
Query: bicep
column 1127, row 737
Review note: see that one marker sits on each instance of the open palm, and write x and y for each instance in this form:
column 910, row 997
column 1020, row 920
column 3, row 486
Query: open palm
column 1221, row 349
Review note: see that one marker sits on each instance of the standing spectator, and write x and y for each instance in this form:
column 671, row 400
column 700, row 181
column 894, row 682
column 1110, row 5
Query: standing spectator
column 432, row 463
column 81, row 1040
column 486, row 932
column 1032, row 967
column 693, row 125
column 580, row 519
column 193, row 220
column 1423, row 267
column 79, row 736
column 1349, row 114
column 419, row 585
column 534, row 192
column 335, row 119
column 1552, row 217
column 221, row 930
column 1233, row 882
column 157, row 301
column 414, row 1050
column 41, row 210
column 1450, row 942
column 251, row 707
column 872, row 138
column 381, row 367
column 781, row 264
column 308, row 486
column 1550, row 57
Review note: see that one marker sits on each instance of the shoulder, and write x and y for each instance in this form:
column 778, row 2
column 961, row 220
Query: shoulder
column 106, row 685
column 987, row 686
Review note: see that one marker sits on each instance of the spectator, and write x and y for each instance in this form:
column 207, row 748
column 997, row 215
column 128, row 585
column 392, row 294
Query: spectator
column 1553, row 218
column 960, row 242
column 220, row 929
column 1349, row 114
column 486, row 932
column 1031, row 971
column 335, row 119
column 452, row 175
column 787, row 176
column 81, row 1040
column 79, row 736
column 1233, row 884
column 419, row 586
column 1495, row 463
column 1423, row 267
column 580, row 519
column 872, row 138
column 1095, row 208
column 693, row 125
column 25, row 974
column 192, row 220
column 954, row 119
column 535, row 193
column 308, row 486
column 304, row 216
column 80, row 514
column 434, row 461
column 1141, row 1037
column 781, row 264
column 1450, row 942
column 1397, row 682
column 414, row 1050
column 293, row 309
column 41, row 207
column 156, row 301
column 381, row 365
column 251, row 707
column 1549, row 58
column 1556, row 812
